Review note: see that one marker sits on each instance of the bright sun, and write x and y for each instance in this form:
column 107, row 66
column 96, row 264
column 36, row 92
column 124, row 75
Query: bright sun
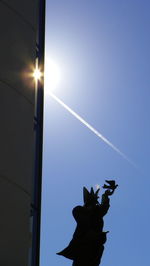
column 37, row 74
column 51, row 74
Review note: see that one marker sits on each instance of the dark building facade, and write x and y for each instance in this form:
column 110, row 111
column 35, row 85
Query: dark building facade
column 19, row 29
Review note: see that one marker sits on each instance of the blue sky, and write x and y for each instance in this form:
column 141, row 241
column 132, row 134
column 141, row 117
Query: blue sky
column 102, row 49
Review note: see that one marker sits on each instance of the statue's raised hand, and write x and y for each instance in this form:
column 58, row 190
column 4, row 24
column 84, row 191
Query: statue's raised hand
column 109, row 192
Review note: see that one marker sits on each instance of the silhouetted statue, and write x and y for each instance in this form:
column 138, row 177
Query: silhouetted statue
column 87, row 245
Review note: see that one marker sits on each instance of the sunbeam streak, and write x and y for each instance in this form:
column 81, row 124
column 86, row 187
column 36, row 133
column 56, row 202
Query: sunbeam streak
column 97, row 133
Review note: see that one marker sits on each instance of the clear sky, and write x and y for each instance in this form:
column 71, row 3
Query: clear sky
column 103, row 52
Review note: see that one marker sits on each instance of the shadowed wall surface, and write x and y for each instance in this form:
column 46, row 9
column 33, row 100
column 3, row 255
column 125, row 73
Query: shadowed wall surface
column 18, row 29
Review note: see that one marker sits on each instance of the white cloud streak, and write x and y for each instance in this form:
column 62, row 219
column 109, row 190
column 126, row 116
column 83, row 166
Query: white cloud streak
column 97, row 133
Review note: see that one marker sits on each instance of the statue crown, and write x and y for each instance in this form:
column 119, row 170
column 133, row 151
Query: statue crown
column 90, row 197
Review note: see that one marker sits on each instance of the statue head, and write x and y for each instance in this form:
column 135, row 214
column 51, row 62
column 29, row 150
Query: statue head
column 90, row 198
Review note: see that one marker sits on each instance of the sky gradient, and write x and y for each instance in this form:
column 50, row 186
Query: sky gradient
column 102, row 49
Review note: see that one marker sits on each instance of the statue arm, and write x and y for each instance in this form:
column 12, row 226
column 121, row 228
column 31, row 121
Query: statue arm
column 105, row 200
column 105, row 203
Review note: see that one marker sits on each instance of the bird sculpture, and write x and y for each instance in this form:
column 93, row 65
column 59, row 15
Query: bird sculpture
column 112, row 184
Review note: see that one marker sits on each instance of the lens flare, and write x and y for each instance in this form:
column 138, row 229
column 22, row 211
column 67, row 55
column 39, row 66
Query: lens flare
column 37, row 74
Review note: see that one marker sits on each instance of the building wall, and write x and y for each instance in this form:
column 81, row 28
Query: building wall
column 18, row 29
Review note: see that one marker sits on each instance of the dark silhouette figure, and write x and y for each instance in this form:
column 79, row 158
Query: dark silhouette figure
column 87, row 245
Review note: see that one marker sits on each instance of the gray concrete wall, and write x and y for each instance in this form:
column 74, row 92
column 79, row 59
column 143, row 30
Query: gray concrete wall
column 18, row 26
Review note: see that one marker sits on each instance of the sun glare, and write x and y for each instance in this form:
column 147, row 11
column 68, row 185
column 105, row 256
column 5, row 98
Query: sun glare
column 37, row 74
column 51, row 74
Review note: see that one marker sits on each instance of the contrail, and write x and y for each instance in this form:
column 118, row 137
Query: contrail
column 97, row 133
